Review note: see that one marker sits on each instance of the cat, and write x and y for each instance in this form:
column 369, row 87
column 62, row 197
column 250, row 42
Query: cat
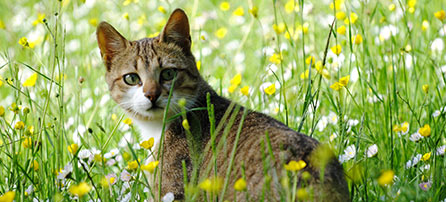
column 140, row 75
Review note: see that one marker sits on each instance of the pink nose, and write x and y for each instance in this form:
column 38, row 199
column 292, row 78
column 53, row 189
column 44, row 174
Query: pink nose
column 152, row 95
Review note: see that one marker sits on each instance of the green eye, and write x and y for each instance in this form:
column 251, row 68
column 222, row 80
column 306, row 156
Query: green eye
column 168, row 74
column 132, row 79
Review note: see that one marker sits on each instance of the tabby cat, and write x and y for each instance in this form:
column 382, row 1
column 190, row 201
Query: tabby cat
column 140, row 75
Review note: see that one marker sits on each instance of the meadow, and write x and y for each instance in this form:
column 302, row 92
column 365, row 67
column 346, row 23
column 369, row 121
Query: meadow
column 366, row 78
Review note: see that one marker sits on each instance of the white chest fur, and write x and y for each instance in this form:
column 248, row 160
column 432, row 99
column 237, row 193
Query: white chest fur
column 149, row 129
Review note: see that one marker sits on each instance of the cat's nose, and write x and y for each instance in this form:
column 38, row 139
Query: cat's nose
column 152, row 95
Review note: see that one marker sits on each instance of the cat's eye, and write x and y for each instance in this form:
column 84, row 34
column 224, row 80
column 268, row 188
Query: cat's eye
column 132, row 79
column 168, row 74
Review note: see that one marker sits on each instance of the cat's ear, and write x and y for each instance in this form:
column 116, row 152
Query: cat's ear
column 177, row 30
column 110, row 41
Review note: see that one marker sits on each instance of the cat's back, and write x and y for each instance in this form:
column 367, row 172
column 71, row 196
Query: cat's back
column 266, row 144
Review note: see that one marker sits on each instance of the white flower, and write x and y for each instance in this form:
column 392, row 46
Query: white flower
column 29, row 190
column 125, row 176
column 426, row 167
column 387, row 31
column 84, row 153
column 66, row 170
column 415, row 137
column 332, row 118
column 437, row 45
column 436, row 113
column 169, row 197
column 414, row 161
column 110, row 162
column 372, row 150
column 112, row 153
column 441, row 150
column 349, row 152
column 322, row 123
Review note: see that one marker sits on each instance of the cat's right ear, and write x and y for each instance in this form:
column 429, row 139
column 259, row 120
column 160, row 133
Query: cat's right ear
column 110, row 41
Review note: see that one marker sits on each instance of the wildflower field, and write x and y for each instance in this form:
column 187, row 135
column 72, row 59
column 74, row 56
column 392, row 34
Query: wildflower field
column 366, row 78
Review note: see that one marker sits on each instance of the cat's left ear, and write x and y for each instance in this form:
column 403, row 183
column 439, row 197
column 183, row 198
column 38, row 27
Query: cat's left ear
column 177, row 30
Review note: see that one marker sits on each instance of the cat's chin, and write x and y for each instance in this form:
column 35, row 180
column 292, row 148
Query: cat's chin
column 148, row 115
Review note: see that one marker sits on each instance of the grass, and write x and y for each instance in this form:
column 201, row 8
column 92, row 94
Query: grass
column 397, row 75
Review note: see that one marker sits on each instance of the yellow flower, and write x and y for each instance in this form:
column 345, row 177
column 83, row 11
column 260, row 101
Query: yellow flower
column 411, row 3
column 425, row 88
column 344, row 80
column 132, row 165
column 224, row 6
column 276, row 58
column 336, row 49
column 127, row 2
column 128, row 121
column 232, row 88
column 27, row 143
column 186, row 124
column 358, row 39
column 279, row 28
column 353, row 18
column 441, row 15
column 386, row 178
column 425, row 25
column 254, row 11
column 211, row 184
column 2, row 25
column 340, row 15
column 40, row 18
column 221, row 33
column 8, row 197
column 245, row 90
column 150, row 166
column 126, row 16
column 239, row 11
column 336, row 86
column 304, row 28
column 291, row 5
column 337, row 5
column 19, row 125
column 114, row 117
column 426, row 156
column 162, row 9
column 392, row 7
column 148, row 144
column 295, row 165
column 141, row 19
column 24, row 42
column 35, row 165
column 93, row 22
column 80, row 190
column 73, row 148
column 199, row 65
column 341, row 30
column 2, row 111
column 236, row 80
column 30, row 81
column 106, row 181
column 240, row 185
column 310, row 59
column 270, row 89
column 305, row 75
column 425, row 131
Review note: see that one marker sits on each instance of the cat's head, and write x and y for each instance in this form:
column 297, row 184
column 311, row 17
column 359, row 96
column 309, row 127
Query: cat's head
column 140, row 73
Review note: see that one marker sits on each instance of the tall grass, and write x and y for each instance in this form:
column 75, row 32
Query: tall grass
column 397, row 75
